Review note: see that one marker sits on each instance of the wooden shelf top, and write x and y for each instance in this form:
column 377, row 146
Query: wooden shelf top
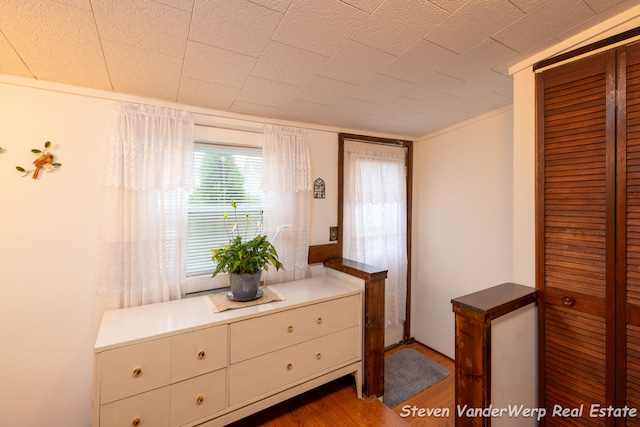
column 494, row 302
column 354, row 268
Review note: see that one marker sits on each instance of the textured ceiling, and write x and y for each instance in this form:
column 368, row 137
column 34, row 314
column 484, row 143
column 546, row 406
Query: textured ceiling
column 403, row 67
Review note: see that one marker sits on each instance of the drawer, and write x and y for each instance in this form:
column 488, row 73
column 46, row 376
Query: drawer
column 134, row 369
column 198, row 352
column 198, row 397
column 268, row 333
column 146, row 409
column 268, row 373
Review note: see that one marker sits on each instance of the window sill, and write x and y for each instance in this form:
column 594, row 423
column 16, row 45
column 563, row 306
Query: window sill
column 205, row 282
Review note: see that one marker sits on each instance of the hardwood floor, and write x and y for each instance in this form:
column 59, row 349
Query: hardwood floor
column 336, row 405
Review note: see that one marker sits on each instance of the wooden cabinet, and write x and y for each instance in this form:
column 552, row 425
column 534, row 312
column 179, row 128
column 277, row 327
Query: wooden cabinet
column 179, row 364
column 588, row 234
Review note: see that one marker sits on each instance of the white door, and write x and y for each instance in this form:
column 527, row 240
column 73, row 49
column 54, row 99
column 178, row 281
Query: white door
column 375, row 221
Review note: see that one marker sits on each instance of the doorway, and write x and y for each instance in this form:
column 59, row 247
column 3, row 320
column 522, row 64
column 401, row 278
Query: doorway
column 376, row 221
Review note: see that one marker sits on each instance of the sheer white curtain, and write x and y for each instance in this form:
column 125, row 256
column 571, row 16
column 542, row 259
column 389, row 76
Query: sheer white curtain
column 376, row 205
column 286, row 182
column 150, row 164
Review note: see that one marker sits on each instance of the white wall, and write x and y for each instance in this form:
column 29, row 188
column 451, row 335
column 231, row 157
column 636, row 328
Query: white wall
column 524, row 181
column 514, row 374
column 462, row 221
column 48, row 255
column 324, row 164
column 50, row 235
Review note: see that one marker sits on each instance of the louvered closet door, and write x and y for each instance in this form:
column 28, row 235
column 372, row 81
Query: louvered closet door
column 576, row 235
column 628, row 388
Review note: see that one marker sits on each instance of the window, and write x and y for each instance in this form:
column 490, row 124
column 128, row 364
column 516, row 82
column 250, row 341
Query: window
column 223, row 173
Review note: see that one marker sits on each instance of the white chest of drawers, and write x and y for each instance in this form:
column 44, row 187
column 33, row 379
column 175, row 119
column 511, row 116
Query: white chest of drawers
column 179, row 364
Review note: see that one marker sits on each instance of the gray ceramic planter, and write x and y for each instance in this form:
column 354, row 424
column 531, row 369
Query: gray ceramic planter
column 244, row 287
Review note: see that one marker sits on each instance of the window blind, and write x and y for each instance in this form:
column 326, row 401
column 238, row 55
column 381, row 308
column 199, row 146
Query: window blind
column 223, row 174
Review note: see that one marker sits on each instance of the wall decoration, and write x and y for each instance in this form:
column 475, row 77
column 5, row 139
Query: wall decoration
column 318, row 189
column 44, row 161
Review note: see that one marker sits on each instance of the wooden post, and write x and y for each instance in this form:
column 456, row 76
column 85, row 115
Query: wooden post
column 474, row 313
column 373, row 351
column 473, row 367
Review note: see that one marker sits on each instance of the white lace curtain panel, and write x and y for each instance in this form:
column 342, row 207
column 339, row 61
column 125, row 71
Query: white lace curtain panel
column 150, row 165
column 286, row 182
column 375, row 200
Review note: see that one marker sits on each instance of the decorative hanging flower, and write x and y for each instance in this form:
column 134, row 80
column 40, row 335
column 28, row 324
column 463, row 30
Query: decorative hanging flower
column 44, row 161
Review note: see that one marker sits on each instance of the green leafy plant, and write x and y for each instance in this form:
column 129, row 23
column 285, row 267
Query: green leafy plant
column 244, row 256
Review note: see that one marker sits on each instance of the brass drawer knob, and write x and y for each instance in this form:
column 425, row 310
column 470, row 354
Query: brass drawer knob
column 136, row 373
column 199, row 400
column 136, row 422
column 568, row 301
column 318, row 356
column 319, row 320
column 290, row 328
column 201, row 355
column 289, row 366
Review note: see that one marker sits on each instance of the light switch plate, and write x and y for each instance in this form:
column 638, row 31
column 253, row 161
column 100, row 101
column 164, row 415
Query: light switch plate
column 333, row 234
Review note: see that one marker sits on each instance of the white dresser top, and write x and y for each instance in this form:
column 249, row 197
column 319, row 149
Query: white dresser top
column 143, row 323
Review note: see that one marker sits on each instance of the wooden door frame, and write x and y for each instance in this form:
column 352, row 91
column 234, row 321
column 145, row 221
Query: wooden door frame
column 409, row 184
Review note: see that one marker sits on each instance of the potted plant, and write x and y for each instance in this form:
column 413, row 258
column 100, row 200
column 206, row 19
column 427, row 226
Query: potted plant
column 244, row 260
